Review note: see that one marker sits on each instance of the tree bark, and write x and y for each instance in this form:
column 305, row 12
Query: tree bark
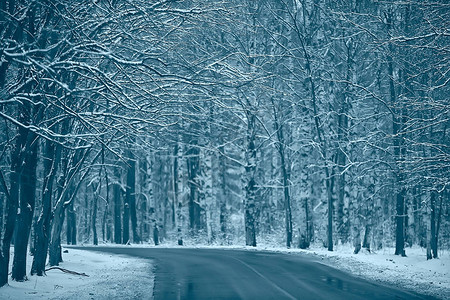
column 117, row 208
column 250, row 188
column 193, row 162
column 126, row 222
column 131, row 196
column 43, row 229
column 27, row 201
column 11, row 209
column 94, row 213
column 330, row 184
column 71, row 225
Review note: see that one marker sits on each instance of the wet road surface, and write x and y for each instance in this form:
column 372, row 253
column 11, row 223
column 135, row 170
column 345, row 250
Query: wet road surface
column 184, row 273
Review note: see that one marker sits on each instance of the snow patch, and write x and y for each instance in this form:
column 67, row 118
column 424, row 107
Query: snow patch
column 110, row 277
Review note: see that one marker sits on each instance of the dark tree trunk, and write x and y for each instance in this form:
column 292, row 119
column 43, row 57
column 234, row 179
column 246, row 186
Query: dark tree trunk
column 342, row 127
column 156, row 234
column 28, row 114
column 400, row 222
column 126, row 222
column 285, row 174
column 65, row 188
column 26, row 209
column 106, row 228
column 357, row 241
column 175, row 185
column 438, row 225
column 43, row 230
column 436, row 216
column 366, row 241
column 131, row 196
column 55, row 256
column 397, row 142
column 287, row 202
column 308, row 226
column 193, row 163
column 330, row 183
column 71, row 225
column 223, row 218
column 250, row 188
column 94, row 214
column 117, row 209
column 11, row 209
column 58, row 215
column 145, row 226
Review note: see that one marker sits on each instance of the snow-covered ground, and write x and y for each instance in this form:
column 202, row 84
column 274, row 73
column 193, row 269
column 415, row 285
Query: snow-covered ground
column 110, row 277
column 413, row 272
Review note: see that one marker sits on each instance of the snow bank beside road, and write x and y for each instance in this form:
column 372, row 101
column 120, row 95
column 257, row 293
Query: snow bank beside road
column 413, row 272
column 110, row 277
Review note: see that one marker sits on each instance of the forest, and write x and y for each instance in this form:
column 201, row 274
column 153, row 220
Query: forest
column 223, row 122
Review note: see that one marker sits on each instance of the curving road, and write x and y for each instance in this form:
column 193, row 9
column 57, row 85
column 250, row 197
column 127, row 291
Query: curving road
column 183, row 273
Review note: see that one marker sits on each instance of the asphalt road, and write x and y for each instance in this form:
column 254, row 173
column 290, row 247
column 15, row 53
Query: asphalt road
column 232, row 274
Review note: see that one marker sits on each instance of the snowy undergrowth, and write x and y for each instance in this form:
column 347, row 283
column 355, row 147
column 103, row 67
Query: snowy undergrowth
column 110, row 277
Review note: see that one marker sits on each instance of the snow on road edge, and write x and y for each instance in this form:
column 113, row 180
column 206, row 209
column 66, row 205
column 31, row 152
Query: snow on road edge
column 413, row 272
column 110, row 277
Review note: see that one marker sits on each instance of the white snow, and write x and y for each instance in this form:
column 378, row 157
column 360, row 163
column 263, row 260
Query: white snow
column 414, row 272
column 110, row 277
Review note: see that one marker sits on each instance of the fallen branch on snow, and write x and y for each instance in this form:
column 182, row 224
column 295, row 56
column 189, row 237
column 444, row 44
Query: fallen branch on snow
column 66, row 271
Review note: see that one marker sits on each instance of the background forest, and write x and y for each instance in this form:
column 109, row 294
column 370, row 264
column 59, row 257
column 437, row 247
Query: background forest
column 287, row 122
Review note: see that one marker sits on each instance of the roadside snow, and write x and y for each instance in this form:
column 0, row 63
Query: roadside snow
column 110, row 277
column 413, row 272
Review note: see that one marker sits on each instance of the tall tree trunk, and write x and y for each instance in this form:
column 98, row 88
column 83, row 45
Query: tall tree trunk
column 175, row 187
column 71, row 225
column 342, row 127
column 193, row 162
column 435, row 222
column 94, row 212
column 428, row 233
column 330, row 184
column 126, row 220
column 223, row 196
column 279, row 129
column 27, row 180
column 43, row 230
column 27, row 201
column 64, row 188
column 397, row 142
column 319, row 131
column 250, row 188
column 55, row 256
column 117, row 208
column 438, row 225
column 131, row 195
column 54, row 253
column 11, row 208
